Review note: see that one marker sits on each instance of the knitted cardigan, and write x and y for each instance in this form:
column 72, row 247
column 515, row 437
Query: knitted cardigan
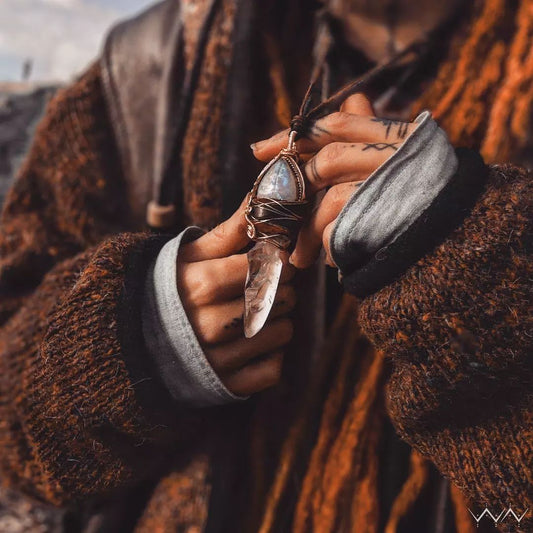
column 82, row 414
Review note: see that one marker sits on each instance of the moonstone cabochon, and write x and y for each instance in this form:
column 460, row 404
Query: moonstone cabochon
column 278, row 183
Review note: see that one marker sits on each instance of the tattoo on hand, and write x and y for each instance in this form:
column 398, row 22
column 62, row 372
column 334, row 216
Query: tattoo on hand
column 235, row 323
column 401, row 127
column 316, row 131
column 315, row 176
column 380, row 146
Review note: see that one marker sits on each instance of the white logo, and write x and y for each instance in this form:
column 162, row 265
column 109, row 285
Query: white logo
column 498, row 519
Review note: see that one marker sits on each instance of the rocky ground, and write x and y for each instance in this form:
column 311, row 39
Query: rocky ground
column 21, row 107
column 20, row 515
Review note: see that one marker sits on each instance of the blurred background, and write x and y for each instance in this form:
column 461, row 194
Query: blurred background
column 43, row 45
column 57, row 37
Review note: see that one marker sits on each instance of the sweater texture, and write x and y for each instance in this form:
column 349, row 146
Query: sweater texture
column 84, row 416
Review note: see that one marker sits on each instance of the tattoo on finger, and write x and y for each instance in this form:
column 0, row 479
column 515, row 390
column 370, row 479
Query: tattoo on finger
column 401, row 127
column 380, row 146
column 235, row 323
column 315, row 176
column 316, row 131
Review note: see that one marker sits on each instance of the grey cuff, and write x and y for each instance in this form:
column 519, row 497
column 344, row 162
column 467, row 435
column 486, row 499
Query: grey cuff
column 394, row 196
column 170, row 338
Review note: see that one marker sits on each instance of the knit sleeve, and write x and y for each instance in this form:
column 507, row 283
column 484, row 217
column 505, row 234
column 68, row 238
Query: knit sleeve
column 457, row 328
column 81, row 411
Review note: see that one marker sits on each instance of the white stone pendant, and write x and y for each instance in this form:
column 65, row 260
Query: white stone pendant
column 281, row 179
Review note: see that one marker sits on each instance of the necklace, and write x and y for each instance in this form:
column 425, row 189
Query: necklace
column 277, row 203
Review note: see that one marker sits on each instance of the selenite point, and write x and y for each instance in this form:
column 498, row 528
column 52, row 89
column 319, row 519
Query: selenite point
column 278, row 183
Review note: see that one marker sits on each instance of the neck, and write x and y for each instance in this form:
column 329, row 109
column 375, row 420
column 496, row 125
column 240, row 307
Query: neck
column 382, row 28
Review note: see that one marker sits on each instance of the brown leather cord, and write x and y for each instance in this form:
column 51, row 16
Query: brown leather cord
column 302, row 122
column 277, row 221
column 305, row 512
column 167, row 185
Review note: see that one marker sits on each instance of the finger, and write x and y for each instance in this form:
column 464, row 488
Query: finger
column 221, row 323
column 342, row 162
column 326, row 243
column 256, row 376
column 338, row 127
column 226, row 239
column 217, row 280
column 309, row 241
column 236, row 354
column 357, row 104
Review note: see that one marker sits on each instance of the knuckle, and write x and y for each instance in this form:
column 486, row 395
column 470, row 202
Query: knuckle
column 200, row 294
column 237, row 263
column 208, row 333
column 335, row 197
column 355, row 98
column 332, row 151
column 340, row 120
column 219, row 232
column 186, row 281
column 202, row 324
column 198, row 289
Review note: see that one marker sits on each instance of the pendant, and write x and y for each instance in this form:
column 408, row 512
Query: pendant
column 274, row 214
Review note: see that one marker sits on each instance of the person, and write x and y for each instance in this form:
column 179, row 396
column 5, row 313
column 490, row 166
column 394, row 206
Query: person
column 129, row 392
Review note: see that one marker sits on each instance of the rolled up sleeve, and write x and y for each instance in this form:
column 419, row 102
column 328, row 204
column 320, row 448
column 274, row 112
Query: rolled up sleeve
column 170, row 338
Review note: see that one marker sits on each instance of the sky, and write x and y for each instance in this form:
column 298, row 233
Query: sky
column 61, row 37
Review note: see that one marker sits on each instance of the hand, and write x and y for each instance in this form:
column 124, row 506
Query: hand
column 342, row 149
column 211, row 277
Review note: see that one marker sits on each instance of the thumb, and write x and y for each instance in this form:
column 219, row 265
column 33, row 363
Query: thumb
column 226, row 239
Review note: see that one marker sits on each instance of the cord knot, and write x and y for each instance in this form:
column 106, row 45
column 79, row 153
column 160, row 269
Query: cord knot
column 299, row 124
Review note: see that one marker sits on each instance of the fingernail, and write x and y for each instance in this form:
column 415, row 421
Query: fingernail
column 258, row 145
column 293, row 261
column 252, row 146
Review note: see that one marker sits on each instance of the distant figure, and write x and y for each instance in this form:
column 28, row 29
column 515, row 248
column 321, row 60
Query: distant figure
column 27, row 67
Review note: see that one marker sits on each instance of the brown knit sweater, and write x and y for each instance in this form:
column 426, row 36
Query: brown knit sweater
column 71, row 419
column 457, row 327
column 82, row 412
